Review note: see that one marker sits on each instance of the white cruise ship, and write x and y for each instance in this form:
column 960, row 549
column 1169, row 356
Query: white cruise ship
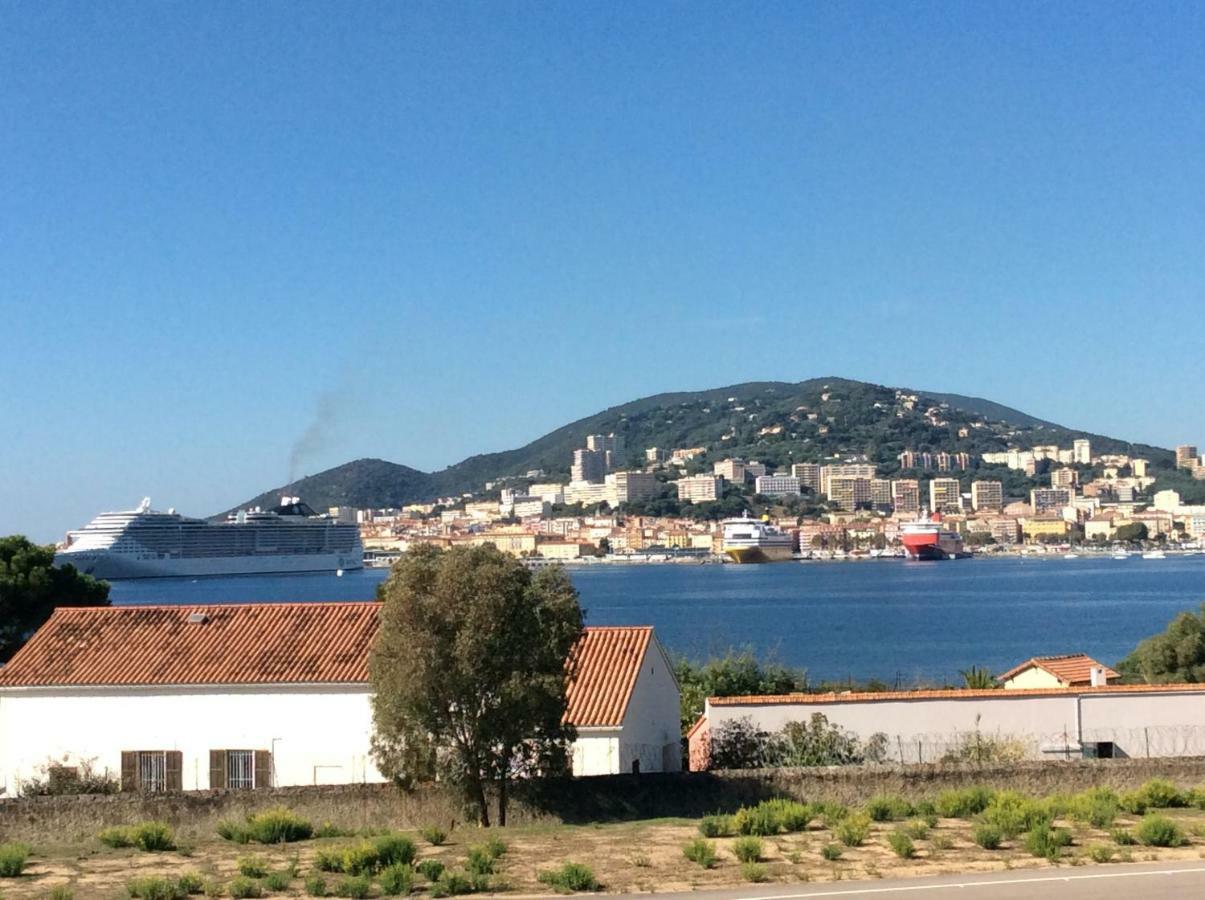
column 748, row 540
column 145, row 543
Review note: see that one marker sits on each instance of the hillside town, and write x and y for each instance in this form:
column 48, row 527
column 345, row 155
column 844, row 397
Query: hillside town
column 842, row 507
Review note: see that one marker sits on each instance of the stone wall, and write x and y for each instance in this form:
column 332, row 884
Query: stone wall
column 196, row 814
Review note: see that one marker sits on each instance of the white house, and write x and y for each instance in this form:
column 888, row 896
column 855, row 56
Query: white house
column 244, row 696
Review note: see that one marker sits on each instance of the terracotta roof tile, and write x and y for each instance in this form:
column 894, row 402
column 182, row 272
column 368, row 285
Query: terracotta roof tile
column 1074, row 669
column 608, row 664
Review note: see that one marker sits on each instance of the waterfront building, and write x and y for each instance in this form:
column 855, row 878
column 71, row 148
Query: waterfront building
column 1035, row 528
column 776, row 485
column 851, row 470
column 987, row 495
column 849, row 492
column 1065, row 671
column 699, row 488
column 1005, row 530
column 945, row 495
column 1052, row 499
column 905, row 496
column 880, row 493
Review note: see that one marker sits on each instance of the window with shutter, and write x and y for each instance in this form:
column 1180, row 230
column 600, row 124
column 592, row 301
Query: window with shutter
column 240, row 769
column 174, row 760
column 217, row 770
column 152, row 771
column 129, row 770
column 263, row 769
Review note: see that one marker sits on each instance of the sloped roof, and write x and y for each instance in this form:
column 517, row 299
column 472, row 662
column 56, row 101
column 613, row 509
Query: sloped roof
column 1071, row 668
column 608, row 664
column 275, row 643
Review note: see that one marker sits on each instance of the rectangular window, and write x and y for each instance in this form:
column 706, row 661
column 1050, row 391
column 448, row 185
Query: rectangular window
column 152, row 772
column 240, row 769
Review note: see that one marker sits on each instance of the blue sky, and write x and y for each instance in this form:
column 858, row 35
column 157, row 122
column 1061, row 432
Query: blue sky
column 455, row 227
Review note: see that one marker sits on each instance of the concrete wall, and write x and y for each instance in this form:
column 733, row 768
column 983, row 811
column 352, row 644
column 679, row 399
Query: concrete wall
column 318, row 735
column 653, row 718
column 919, row 729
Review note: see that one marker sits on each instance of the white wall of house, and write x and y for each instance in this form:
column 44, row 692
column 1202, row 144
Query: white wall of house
column 1033, row 677
column 652, row 724
column 596, row 751
column 317, row 734
column 1155, row 723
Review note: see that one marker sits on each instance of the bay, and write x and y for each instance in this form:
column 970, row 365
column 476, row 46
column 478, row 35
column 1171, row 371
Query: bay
column 902, row 622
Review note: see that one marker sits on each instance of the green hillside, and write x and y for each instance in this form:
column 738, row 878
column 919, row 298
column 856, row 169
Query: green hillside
column 776, row 422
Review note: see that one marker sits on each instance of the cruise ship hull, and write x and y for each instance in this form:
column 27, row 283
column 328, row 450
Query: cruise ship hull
column 759, row 554
column 115, row 566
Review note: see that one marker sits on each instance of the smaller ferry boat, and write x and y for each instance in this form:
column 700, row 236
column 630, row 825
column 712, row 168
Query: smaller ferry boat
column 1154, row 554
column 927, row 539
column 749, row 540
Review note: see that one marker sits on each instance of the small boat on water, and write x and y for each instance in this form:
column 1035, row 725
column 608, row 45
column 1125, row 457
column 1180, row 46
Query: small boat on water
column 1121, row 555
column 1070, row 556
column 1154, row 554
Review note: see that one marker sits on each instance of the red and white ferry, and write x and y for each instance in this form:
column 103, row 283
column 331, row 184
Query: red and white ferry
column 927, row 539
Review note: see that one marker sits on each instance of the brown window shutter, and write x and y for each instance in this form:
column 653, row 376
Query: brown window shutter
column 263, row 769
column 175, row 770
column 217, row 770
column 129, row 771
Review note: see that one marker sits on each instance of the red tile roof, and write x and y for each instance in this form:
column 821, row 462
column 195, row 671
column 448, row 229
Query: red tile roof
column 275, row 643
column 953, row 694
column 1072, row 669
column 608, row 664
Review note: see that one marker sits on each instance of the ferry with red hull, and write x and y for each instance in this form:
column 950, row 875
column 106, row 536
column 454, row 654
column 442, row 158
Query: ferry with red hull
column 927, row 539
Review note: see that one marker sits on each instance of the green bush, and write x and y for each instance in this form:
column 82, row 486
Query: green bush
column 832, row 852
column 214, row 889
column 330, row 830
column 1097, row 807
column 570, row 878
column 358, row 859
column 234, row 832
column 480, row 861
column 701, row 852
column 244, row 888
column 252, row 866
column 1123, row 837
column 901, row 845
column 118, row 837
column 394, row 850
column 747, row 848
column 1046, row 841
column 1162, row 794
column 357, row 887
column 154, row 888
column 1014, row 813
column 148, row 836
column 1134, row 802
column 988, row 836
column 279, row 825
column 13, row 858
column 277, row 881
column 917, row 829
column 831, row 813
column 433, row 835
column 754, row 872
column 715, row 826
column 853, row 830
column 191, row 883
column 396, row 879
column 888, row 808
column 964, row 803
column 1101, row 853
column 430, row 869
column 452, row 884
column 315, row 886
column 1159, row 831
column 941, row 842
column 926, row 808
column 328, row 859
column 757, row 820
column 792, row 815
column 495, row 847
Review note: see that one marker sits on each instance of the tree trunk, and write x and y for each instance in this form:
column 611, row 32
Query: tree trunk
column 483, row 804
column 503, row 784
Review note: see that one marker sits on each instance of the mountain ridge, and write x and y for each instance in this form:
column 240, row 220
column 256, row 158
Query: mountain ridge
column 859, row 418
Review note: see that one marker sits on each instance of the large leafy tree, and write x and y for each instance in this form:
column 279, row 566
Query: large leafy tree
column 469, row 671
column 31, row 587
column 1176, row 656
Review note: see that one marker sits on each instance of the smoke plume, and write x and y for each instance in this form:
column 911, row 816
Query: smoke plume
column 316, row 435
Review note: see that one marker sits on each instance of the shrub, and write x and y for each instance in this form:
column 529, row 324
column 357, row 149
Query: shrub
column 279, row 825
column 853, row 830
column 242, row 888
column 154, row 888
column 754, row 872
column 757, row 820
column 191, row 883
column 715, row 826
column 214, row 889
column 451, row 884
column 964, row 803
column 701, row 852
column 430, row 869
column 1123, row 837
column 480, row 861
column 358, row 859
column 1014, row 813
column 1134, row 802
column 1159, row 831
column 277, row 881
column 252, row 866
column 495, row 847
column 117, row 837
column 901, row 845
column 570, row 878
column 925, row 808
column 433, row 835
column 988, row 836
column 942, row 842
column 1046, row 841
column 1162, row 794
column 61, row 892
column 149, row 836
column 330, row 830
column 832, row 852
column 917, row 830
column 394, row 850
column 888, row 808
column 791, row 814
column 747, row 848
column 357, row 887
column 1101, row 853
column 396, row 879
column 1097, row 806
column 12, row 859
column 234, row 831
column 315, row 886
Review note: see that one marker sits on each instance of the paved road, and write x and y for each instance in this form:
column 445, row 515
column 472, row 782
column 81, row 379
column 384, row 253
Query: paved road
column 1172, row 880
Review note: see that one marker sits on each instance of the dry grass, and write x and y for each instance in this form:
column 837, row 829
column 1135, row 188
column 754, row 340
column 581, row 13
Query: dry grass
column 637, row 856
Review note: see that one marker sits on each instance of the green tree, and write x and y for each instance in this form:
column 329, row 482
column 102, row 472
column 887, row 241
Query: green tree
column 31, row 587
column 735, row 674
column 469, row 671
column 978, row 678
column 1176, row 656
column 1132, row 533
